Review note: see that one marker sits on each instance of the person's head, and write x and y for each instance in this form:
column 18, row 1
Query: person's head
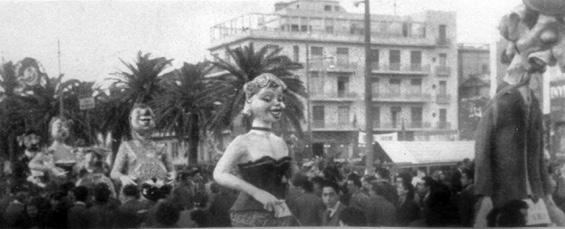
column 102, row 193
column 352, row 217
column 367, row 182
column 317, row 185
column 330, row 193
column 301, row 181
column 264, row 98
column 467, row 176
column 20, row 191
column 167, row 214
column 131, row 191
column 200, row 200
column 382, row 173
column 405, row 189
column 81, row 193
column 142, row 119
column 512, row 214
column 424, row 186
column 59, row 128
column 353, row 182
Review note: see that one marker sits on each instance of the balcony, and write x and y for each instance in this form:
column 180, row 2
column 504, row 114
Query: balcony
column 443, row 98
column 443, row 42
column 321, row 66
column 398, row 125
column 321, row 125
column 408, row 69
column 334, row 96
column 442, row 125
column 443, row 71
column 402, row 97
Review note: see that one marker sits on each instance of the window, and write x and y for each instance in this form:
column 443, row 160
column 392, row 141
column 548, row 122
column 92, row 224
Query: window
column 442, row 87
column 484, row 68
column 375, row 87
column 394, row 59
column 294, row 28
column 416, row 60
column 375, row 59
column 416, row 87
column 329, row 29
column 416, row 117
column 442, row 33
column 443, row 118
column 296, row 53
column 442, row 59
column 318, row 113
column 327, row 8
column 342, row 56
column 304, row 28
column 272, row 47
column 395, row 116
column 376, row 116
column 316, row 83
column 317, row 52
column 394, row 88
column 342, row 85
column 343, row 115
column 336, row 8
column 405, row 29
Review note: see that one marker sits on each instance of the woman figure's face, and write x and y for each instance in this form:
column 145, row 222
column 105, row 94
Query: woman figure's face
column 60, row 130
column 267, row 105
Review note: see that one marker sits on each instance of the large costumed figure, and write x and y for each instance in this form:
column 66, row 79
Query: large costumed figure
column 142, row 160
column 257, row 163
column 509, row 160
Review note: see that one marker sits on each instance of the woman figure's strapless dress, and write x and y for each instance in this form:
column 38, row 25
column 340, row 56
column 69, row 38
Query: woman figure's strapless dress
column 267, row 174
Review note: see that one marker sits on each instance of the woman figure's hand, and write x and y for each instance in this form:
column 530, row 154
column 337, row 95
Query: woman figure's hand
column 268, row 200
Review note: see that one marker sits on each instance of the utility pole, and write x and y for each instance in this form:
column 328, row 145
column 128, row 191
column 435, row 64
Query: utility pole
column 369, row 149
column 308, row 102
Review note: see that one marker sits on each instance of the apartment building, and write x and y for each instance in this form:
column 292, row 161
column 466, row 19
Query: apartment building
column 413, row 69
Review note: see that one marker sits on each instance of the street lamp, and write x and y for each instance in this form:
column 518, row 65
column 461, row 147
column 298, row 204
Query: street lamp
column 368, row 91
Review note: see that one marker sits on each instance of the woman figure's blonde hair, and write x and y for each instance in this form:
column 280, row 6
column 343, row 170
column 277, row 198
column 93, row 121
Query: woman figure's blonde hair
column 254, row 86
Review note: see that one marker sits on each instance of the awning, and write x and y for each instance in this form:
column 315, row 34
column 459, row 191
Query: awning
column 428, row 152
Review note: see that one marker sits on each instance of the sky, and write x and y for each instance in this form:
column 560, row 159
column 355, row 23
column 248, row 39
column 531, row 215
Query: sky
column 95, row 35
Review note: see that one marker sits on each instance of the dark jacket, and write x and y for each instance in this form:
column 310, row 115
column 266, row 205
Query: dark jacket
column 466, row 206
column 306, row 208
column 332, row 221
column 407, row 212
column 78, row 216
column 509, row 148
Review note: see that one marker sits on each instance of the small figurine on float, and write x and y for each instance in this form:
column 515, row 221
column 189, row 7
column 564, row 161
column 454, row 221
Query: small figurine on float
column 63, row 154
column 141, row 159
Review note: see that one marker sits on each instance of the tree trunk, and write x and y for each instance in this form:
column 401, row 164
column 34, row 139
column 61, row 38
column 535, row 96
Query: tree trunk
column 12, row 148
column 193, row 140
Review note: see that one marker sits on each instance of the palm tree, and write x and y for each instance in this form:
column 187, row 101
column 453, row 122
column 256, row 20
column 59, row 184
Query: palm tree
column 140, row 84
column 248, row 64
column 86, row 126
column 184, row 107
column 11, row 121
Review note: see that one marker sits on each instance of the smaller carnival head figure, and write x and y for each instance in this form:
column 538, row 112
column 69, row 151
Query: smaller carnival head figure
column 264, row 98
column 59, row 129
column 30, row 140
column 142, row 119
column 28, row 72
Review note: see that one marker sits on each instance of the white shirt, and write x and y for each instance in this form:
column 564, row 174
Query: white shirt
column 334, row 209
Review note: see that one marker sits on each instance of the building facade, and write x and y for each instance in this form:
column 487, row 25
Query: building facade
column 413, row 66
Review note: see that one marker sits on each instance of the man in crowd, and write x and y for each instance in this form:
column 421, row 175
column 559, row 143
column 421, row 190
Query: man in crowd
column 330, row 196
column 306, row 205
column 77, row 215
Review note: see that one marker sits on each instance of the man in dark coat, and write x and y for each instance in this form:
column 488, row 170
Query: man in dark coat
column 78, row 216
column 330, row 196
column 306, row 205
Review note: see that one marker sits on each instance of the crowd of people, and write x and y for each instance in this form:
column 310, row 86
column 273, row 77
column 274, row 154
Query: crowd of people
column 320, row 193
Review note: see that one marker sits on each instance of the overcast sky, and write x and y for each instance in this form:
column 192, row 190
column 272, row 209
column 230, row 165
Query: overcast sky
column 95, row 34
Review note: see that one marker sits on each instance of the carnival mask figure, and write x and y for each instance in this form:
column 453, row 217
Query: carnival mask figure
column 141, row 158
column 62, row 153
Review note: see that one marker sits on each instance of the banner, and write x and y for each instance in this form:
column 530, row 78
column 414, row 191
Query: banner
column 379, row 137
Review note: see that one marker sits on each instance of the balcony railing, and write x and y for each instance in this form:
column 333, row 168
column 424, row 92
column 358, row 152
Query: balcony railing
column 409, row 97
column 333, row 95
column 443, row 98
column 443, row 125
column 401, row 68
column 443, row 42
column 322, row 125
column 398, row 125
column 332, row 67
column 443, row 70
